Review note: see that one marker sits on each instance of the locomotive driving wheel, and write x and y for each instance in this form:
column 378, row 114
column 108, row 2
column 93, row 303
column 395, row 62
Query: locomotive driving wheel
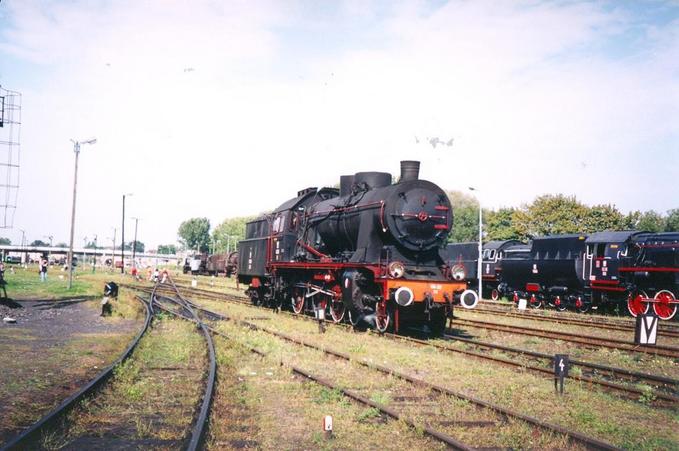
column 298, row 299
column 636, row 304
column 382, row 317
column 665, row 305
column 337, row 310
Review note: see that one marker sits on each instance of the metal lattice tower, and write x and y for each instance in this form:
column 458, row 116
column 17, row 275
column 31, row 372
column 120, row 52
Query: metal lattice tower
column 10, row 137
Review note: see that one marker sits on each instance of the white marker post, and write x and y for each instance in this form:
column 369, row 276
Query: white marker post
column 327, row 426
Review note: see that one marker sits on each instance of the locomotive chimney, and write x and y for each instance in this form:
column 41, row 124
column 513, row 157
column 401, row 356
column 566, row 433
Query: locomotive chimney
column 345, row 184
column 410, row 170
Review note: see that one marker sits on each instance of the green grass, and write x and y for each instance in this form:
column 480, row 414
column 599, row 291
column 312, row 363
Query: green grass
column 26, row 284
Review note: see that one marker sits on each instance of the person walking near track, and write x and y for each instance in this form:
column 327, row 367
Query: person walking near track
column 43, row 269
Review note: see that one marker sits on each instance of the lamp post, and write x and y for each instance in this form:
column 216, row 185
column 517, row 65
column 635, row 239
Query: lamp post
column 479, row 266
column 23, row 234
column 49, row 253
column 76, row 149
column 122, row 234
column 134, row 244
column 113, row 249
column 94, row 259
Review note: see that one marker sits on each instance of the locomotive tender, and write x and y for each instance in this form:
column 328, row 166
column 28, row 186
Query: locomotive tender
column 372, row 249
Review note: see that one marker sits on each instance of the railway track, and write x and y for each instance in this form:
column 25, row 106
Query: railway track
column 663, row 329
column 585, row 319
column 436, row 390
column 28, row 438
column 587, row 340
column 603, row 376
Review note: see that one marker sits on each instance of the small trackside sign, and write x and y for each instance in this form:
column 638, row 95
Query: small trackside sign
column 646, row 330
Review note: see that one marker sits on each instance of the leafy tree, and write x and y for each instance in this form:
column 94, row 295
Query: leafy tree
column 91, row 245
column 672, row 220
column 5, row 241
column 465, row 217
column 139, row 247
column 649, row 221
column 38, row 243
column 167, row 249
column 194, row 233
column 499, row 225
column 550, row 215
column 62, row 244
column 603, row 217
column 230, row 232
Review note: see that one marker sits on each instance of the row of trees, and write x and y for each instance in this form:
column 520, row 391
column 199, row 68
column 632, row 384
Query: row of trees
column 546, row 215
column 549, row 215
column 195, row 234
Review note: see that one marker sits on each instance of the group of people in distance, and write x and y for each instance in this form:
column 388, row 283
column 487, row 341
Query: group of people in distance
column 152, row 276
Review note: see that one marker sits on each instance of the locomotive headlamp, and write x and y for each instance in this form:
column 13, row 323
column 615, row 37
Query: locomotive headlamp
column 458, row 273
column 396, row 270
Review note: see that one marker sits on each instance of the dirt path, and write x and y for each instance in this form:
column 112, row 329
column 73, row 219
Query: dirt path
column 51, row 350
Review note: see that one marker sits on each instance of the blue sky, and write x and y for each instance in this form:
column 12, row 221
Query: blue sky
column 218, row 109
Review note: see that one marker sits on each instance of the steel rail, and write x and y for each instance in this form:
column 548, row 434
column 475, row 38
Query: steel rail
column 23, row 440
column 198, row 431
column 666, row 351
column 501, row 305
column 573, row 321
column 573, row 435
column 613, row 371
column 582, row 363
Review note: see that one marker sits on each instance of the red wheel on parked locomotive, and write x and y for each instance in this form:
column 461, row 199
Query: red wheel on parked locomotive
column 581, row 306
column 636, row 304
column 535, row 302
column 298, row 300
column 559, row 304
column 495, row 295
column 665, row 305
column 337, row 310
column 382, row 317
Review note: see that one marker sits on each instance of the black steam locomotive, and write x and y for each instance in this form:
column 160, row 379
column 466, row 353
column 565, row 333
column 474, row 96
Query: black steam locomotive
column 373, row 249
column 466, row 254
column 603, row 269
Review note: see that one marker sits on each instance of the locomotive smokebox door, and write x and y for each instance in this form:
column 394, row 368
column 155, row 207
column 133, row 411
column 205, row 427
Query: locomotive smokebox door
column 111, row 289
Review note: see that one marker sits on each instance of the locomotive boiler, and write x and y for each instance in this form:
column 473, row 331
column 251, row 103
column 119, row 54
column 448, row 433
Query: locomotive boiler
column 372, row 249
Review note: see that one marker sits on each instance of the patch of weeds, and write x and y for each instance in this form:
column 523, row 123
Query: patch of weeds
column 647, row 396
column 52, row 440
column 143, row 429
column 531, row 341
column 380, row 398
column 327, row 395
column 357, row 349
column 367, row 414
column 575, row 371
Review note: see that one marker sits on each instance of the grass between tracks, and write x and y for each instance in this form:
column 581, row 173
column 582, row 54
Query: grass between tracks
column 625, row 423
column 635, row 361
column 646, row 363
column 262, row 405
column 152, row 399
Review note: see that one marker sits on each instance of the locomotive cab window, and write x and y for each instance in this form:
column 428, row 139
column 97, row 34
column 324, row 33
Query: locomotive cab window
column 278, row 223
column 492, row 255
